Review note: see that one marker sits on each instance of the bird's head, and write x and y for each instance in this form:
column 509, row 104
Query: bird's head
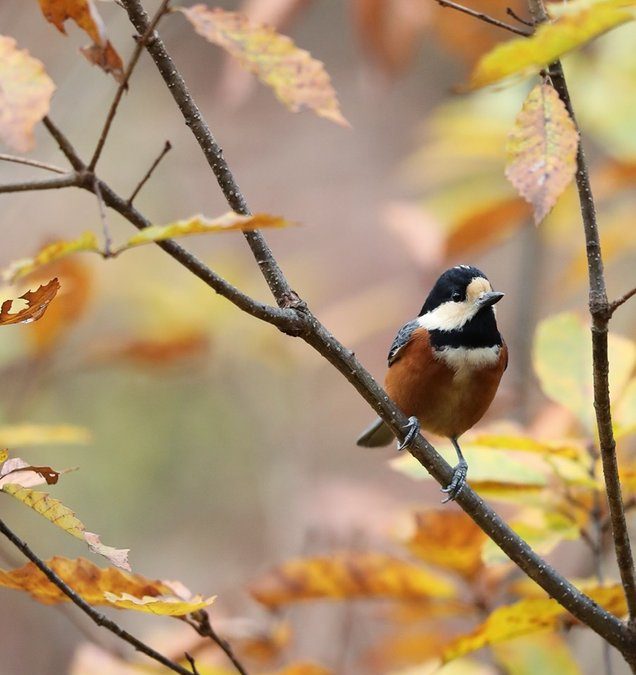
column 461, row 294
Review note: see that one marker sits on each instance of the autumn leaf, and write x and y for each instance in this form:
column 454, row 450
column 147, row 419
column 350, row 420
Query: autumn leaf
column 25, row 95
column 544, row 653
column 85, row 15
column 523, row 443
column 160, row 352
column 99, row 586
column 37, row 302
column 229, row 222
column 530, row 616
column 447, row 539
column 562, row 356
column 304, row 668
column 349, row 575
column 60, row 515
column 298, row 80
column 16, row 471
column 583, row 21
column 624, row 417
column 15, row 435
column 542, row 150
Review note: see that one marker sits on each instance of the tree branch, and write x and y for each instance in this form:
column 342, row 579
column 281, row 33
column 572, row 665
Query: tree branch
column 31, row 162
column 581, row 606
column 166, row 148
column 67, row 180
column 200, row 621
column 484, row 17
column 96, row 616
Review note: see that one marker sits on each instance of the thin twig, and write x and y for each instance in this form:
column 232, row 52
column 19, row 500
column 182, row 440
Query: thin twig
column 193, row 665
column 484, row 17
column 67, row 180
column 31, row 162
column 200, row 621
column 166, row 148
column 601, row 313
column 108, row 242
column 344, row 360
column 123, row 85
column 96, row 616
column 511, row 12
column 622, row 300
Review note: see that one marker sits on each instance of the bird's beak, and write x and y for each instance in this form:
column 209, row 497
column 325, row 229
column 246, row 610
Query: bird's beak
column 489, row 299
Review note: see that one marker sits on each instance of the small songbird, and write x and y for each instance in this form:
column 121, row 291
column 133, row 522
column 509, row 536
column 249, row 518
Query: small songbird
column 445, row 365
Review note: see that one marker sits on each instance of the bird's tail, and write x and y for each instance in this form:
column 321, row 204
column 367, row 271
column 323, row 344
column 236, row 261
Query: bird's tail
column 376, row 435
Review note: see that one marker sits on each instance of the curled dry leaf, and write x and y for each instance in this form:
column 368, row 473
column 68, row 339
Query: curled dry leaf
column 60, row 515
column 349, row 575
column 542, row 150
column 25, row 95
column 84, row 577
column 85, row 15
column 298, row 80
column 530, row 616
column 582, row 21
column 16, row 471
column 447, row 539
column 37, row 302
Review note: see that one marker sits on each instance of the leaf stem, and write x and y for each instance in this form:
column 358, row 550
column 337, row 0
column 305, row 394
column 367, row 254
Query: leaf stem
column 200, row 621
column 166, row 148
column 484, row 17
column 31, row 162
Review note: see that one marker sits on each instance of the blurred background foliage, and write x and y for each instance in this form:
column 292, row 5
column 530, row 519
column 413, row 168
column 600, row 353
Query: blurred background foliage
column 219, row 447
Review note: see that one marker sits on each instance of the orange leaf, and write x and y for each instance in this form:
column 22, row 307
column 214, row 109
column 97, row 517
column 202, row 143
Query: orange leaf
column 542, row 150
column 447, row 539
column 298, row 80
column 25, row 95
column 37, row 302
column 304, row 668
column 349, row 575
column 84, row 577
column 84, row 14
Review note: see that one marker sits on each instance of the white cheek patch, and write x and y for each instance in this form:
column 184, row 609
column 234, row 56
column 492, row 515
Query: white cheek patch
column 464, row 360
column 448, row 316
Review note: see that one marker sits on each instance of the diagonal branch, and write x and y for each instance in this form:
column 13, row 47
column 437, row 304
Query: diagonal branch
column 67, row 180
column 31, row 162
column 165, row 150
column 622, row 300
column 486, row 18
column 91, row 612
column 200, row 621
column 315, row 334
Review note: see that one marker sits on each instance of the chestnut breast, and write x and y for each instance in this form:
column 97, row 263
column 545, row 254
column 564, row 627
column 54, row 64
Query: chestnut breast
column 449, row 389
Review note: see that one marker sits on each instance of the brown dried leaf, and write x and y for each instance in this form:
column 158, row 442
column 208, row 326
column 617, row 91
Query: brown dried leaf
column 298, row 80
column 89, row 580
column 85, row 15
column 37, row 302
column 25, row 95
column 16, row 471
column 447, row 539
column 542, row 150
column 349, row 575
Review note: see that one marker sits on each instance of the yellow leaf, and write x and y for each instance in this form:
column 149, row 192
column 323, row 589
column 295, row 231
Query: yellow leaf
column 25, row 95
column 4, row 455
column 84, row 577
column 542, row 150
column 562, row 357
column 583, row 21
column 528, row 444
column 162, row 606
column 349, row 575
column 447, row 539
column 544, row 653
column 52, row 509
column 624, row 416
column 51, row 253
column 529, row 616
column 84, row 14
column 228, row 222
column 297, row 79
column 37, row 302
column 15, row 435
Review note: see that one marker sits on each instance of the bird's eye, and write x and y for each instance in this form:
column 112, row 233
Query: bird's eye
column 456, row 297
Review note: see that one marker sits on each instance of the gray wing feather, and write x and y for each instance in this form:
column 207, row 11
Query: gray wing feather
column 401, row 340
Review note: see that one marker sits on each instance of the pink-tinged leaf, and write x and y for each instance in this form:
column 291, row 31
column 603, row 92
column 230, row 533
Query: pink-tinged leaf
column 542, row 150
column 18, row 472
column 298, row 80
column 25, row 95
column 118, row 556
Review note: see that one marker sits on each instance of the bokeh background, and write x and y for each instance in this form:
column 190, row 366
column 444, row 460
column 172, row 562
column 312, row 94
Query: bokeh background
column 220, row 447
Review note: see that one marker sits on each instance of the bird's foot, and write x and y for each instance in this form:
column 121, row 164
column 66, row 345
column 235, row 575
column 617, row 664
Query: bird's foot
column 412, row 430
column 457, row 483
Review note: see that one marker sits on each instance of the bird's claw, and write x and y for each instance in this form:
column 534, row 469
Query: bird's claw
column 457, row 483
column 412, row 430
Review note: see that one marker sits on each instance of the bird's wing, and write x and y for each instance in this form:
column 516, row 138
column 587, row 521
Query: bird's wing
column 401, row 340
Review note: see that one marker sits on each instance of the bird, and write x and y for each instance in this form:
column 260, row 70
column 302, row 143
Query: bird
column 445, row 365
